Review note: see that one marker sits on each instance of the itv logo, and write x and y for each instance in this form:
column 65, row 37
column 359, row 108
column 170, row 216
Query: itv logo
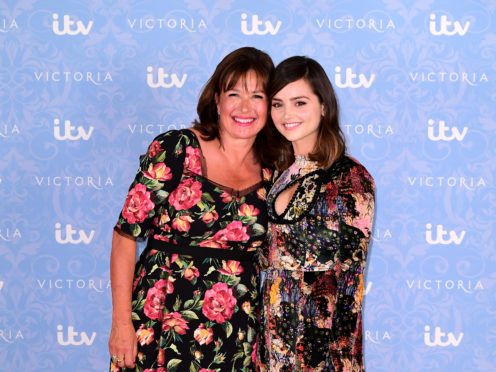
column 256, row 26
column 351, row 79
column 72, row 338
column 445, row 27
column 442, row 236
column 69, row 26
column 444, row 132
column 72, row 236
column 163, row 79
column 441, row 338
column 69, row 132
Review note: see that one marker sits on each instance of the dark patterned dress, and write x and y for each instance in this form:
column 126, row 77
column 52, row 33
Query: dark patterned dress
column 195, row 285
column 313, row 268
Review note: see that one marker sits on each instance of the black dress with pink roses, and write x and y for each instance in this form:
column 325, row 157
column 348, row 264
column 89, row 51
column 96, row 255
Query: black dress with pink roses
column 195, row 285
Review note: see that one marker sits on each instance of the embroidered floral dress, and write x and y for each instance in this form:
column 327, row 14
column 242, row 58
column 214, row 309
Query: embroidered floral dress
column 313, row 268
column 195, row 285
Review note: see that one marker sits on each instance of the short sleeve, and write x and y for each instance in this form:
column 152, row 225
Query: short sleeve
column 158, row 175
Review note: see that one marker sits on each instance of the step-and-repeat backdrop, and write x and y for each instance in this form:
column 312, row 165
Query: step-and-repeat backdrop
column 86, row 85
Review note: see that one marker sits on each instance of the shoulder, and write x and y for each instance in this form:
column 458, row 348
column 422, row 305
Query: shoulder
column 177, row 136
column 349, row 171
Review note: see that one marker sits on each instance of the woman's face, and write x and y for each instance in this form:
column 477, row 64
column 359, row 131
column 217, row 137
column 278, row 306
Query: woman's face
column 242, row 109
column 296, row 112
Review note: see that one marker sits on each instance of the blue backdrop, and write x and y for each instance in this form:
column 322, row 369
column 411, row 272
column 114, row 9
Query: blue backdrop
column 86, row 85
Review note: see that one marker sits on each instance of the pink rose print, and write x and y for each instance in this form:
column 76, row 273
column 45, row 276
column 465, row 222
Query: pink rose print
column 144, row 335
column 219, row 302
column 262, row 193
column 176, row 322
column 206, row 370
column 210, row 217
column 234, row 232
column 137, row 205
column 226, row 197
column 267, row 174
column 231, row 268
column 248, row 210
column 159, row 172
column 203, row 335
column 210, row 243
column 193, row 160
column 190, row 273
column 154, row 149
column 186, row 195
column 155, row 299
column 182, row 223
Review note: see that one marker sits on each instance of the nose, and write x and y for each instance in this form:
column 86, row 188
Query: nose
column 245, row 105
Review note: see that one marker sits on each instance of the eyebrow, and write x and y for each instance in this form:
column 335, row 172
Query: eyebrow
column 291, row 99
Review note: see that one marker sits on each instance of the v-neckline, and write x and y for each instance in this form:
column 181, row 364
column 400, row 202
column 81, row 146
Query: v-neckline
column 230, row 190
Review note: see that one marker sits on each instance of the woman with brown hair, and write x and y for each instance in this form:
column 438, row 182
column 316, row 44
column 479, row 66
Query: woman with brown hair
column 320, row 208
column 199, row 199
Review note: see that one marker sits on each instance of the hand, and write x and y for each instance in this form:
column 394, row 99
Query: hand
column 123, row 344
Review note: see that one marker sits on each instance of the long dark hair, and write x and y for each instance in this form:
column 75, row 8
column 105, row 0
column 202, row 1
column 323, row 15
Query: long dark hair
column 330, row 143
column 233, row 67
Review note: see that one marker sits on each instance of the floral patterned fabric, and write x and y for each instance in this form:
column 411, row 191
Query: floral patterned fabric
column 313, row 266
column 193, row 305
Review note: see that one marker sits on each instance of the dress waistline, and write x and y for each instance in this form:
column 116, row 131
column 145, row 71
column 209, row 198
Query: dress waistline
column 200, row 252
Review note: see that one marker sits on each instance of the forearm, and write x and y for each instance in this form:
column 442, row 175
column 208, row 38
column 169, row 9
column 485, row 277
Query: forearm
column 122, row 261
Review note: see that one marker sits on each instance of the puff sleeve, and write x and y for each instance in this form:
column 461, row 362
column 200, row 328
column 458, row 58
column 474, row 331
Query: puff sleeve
column 158, row 175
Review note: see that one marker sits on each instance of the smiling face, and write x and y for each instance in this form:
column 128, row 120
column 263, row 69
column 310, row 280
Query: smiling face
column 296, row 112
column 242, row 109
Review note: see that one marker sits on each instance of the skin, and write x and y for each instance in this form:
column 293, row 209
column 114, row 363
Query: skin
column 122, row 341
column 296, row 112
column 230, row 161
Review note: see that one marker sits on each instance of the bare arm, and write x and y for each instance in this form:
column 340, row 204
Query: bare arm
column 122, row 342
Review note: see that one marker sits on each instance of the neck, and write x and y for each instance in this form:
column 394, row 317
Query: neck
column 236, row 151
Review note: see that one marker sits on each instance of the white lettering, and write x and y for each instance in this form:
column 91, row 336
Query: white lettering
column 67, row 132
column 443, row 132
column 438, row 338
column 444, row 24
column 69, row 235
column 69, row 26
column 71, row 337
column 351, row 79
column 10, row 336
column 79, row 181
column 439, row 284
column 454, row 238
column 162, row 77
column 154, row 128
column 9, row 235
column 255, row 26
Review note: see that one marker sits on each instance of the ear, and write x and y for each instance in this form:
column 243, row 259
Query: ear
column 322, row 111
column 216, row 97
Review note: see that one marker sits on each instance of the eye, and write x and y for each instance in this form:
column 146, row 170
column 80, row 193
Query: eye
column 259, row 96
column 300, row 103
column 276, row 105
column 232, row 94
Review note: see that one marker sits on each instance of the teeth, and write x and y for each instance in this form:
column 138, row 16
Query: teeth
column 291, row 125
column 243, row 121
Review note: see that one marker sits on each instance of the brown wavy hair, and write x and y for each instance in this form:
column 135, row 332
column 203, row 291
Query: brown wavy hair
column 233, row 67
column 330, row 144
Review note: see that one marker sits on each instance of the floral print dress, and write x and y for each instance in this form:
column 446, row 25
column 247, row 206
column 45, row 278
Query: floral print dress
column 313, row 268
column 195, row 285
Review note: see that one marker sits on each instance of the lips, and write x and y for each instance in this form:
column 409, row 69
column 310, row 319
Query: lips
column 289, row 126
column 243, row 121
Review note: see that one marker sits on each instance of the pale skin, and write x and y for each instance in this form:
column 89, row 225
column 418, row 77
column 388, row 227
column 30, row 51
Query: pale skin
column 230, row 162
column 296, row 112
